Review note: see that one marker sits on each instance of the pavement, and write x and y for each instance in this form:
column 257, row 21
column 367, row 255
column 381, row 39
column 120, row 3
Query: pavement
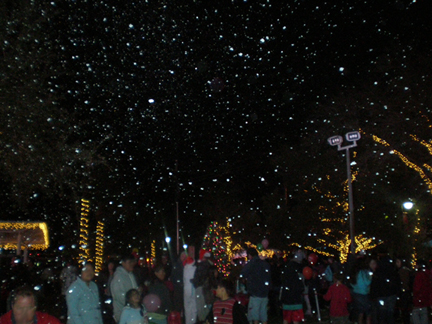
column 275, row 317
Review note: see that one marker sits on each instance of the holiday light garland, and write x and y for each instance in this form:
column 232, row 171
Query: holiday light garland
column 99, row 246
column 20, row 226
column 426, row 179
column 423, row 142
column 414, row 258
column 84, row 254
column 312, row 249
column 417, row 232
column 406, row 161
column 153, row 252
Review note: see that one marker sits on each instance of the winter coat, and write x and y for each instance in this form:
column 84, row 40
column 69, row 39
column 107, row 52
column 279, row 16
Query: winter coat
column 339, row 297
column 227, row 312
column 190, row 305
column 188, row 275
column 160, row 289
column 121, row 283
column 422, row 290
column 202, row 273
column 177, row 273
column 40, row 318
column 83, row 303
column 131, row 315
column 292, row 285
column 258, row 276
column 362, row 286
column 385, row 280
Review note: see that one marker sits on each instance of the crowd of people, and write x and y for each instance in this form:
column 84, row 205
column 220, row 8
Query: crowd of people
column 364, row 290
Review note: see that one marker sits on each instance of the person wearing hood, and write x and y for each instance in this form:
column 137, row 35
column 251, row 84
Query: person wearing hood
column 123, row 281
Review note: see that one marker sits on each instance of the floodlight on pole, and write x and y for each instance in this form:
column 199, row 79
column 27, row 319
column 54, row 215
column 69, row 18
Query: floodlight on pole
column 337, row 140
column 408, row 205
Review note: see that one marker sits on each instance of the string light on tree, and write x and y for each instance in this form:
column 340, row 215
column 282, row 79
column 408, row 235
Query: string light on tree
column 35, row 233
column 312, row 249
column 407, row 162
column 416, row 231
column 84, row 254
column 153, row 252
column 99, row 246
column 218, row 240
column 362, row 244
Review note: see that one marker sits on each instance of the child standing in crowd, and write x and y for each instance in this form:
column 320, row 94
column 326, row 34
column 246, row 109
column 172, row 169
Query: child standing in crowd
column 226, row 310
column 133, row 312
column 339, row 296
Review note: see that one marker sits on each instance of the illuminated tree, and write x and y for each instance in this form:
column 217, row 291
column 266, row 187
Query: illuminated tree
column 319, row 222
column 391, row 163
column 218, row 240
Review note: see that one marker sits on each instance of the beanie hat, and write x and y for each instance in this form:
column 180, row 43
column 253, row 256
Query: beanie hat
column 188, row 260
column 204, row 254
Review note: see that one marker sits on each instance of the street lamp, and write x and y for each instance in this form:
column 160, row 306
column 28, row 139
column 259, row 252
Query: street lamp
column 413, row 230
column 408, row 205
column 337, row 140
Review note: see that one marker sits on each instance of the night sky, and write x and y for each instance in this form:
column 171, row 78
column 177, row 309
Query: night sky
column 145, row 101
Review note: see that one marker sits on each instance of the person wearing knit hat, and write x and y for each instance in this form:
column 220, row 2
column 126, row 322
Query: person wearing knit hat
column 204, row 254
column 188, row 260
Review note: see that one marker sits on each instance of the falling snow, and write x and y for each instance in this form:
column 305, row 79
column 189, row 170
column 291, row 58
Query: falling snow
column 222, row 106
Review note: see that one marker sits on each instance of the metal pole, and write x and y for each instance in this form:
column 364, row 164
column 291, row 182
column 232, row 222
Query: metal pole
column 19, row 243
column 337, row 140
column 177, row 238
column 350, row 202
column 177, row 210
column 317, row 305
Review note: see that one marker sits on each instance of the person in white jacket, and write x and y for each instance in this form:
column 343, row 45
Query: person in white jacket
column 189, row 293
column 123, row 280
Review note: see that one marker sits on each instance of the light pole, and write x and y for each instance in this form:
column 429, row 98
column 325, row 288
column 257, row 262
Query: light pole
column 406, row 206
column 412, row 233
column 337, row 140
column 177, row 209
